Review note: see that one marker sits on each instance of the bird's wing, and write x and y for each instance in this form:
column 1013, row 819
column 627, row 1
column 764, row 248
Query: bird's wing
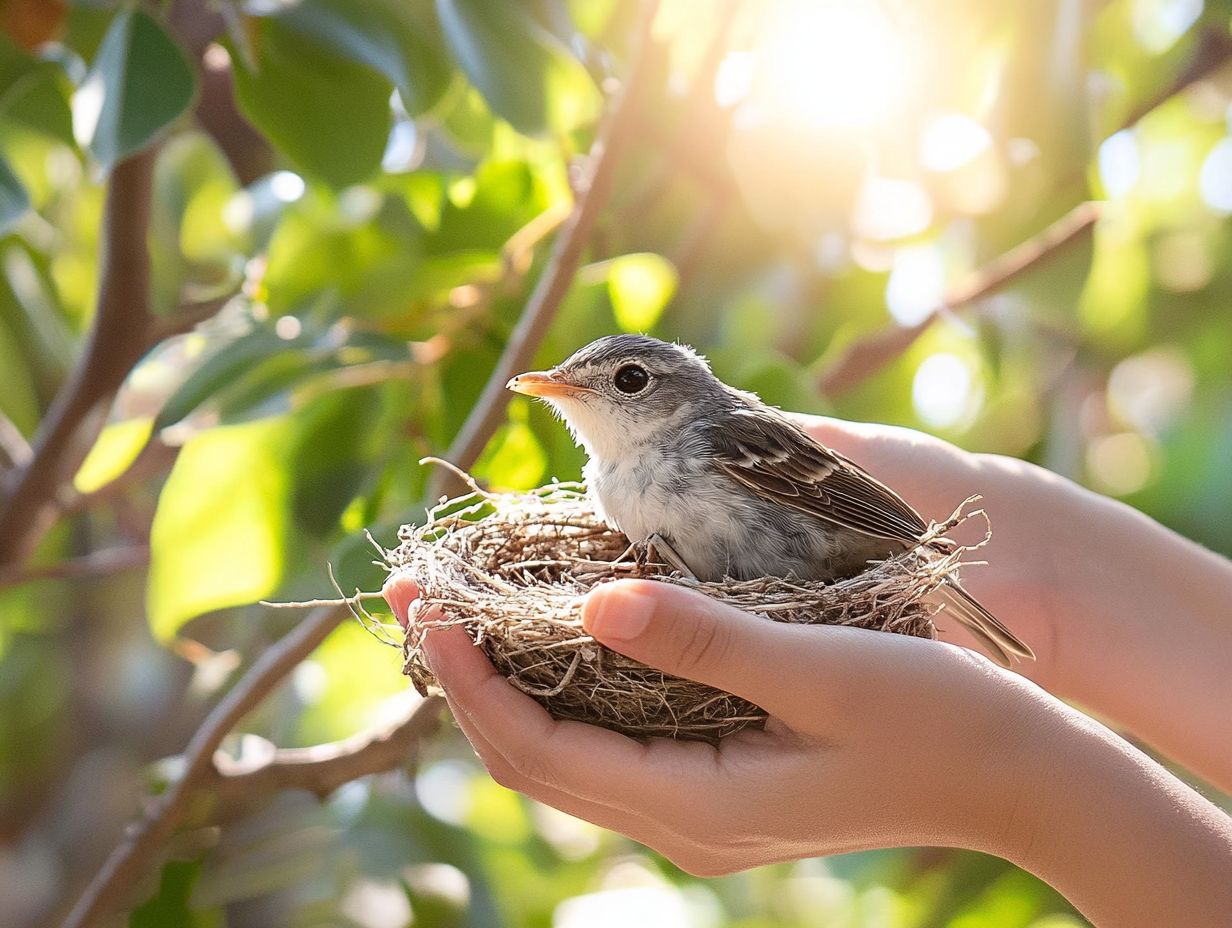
column 779, row 461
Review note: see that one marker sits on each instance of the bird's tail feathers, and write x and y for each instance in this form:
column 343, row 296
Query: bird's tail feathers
column 1000, row 643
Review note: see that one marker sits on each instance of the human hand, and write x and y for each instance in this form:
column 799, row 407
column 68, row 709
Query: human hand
column 1124, row 616
column 874, row 740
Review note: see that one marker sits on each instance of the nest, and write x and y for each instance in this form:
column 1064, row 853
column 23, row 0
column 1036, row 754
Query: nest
column 511, row 569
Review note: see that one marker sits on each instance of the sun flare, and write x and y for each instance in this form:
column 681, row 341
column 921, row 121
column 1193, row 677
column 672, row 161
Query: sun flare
column 834, row 63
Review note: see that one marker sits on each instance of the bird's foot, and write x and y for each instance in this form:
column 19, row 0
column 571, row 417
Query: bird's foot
column 657, row 545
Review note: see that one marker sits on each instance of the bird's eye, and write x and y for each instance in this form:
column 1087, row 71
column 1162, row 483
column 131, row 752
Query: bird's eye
column 631, row 379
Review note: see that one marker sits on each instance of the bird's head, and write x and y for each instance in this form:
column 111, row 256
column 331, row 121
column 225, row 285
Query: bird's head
column 622, row 391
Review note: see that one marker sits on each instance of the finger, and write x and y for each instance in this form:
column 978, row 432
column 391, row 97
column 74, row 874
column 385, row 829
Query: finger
column 690, row 635
column 631, row 824
column 400, row 591
column 586, row 761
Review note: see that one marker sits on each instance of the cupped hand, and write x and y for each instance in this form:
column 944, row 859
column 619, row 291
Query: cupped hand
column 874, row 740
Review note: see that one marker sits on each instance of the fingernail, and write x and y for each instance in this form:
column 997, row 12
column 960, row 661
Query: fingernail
column 613, row 616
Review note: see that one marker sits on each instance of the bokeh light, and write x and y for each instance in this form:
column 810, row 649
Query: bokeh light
column 1119, row 165
column 944, row 391
column 951, row 141
column 917, row 283
column 1215, row 178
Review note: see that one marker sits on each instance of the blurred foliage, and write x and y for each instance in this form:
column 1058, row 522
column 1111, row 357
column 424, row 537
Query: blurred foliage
column 801, row 175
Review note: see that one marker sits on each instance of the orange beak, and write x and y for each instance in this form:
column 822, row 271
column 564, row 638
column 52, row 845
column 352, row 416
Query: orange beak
column 544, row 383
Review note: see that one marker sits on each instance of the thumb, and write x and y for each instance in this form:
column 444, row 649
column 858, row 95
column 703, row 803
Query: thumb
column 690, row 635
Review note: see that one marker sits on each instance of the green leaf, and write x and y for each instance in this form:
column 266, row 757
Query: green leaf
column 265, row 389
column 525, row 73
column 640, row 287
column 515, row 460
column 15, row 64
column 193, row 184
column 328, row 114
column 370, row 263
column 34, row 92
column 41, row 102
column 13, row 198
column 172, row 905
column 116, row 448
column 219, row 370
column 219, row 532
column 242, row 500
column 359, row 678
column 383, row 35
column 138, row 84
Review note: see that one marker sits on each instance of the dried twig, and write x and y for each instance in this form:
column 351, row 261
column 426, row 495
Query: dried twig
column 869, row 355
column 557, row 276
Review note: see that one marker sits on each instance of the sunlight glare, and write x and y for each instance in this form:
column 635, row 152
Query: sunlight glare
column 734, row 78
column 835, row 63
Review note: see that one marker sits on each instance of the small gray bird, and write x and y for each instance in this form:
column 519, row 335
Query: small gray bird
column 723, row 485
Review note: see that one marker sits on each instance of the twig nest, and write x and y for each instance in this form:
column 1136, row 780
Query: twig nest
column 511, row 569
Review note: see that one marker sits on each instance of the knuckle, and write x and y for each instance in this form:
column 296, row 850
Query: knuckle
column 703, row 644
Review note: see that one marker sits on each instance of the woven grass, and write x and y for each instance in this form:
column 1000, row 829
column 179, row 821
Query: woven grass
column 510, row 568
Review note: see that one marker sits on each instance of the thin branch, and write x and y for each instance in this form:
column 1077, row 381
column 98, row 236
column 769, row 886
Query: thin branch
column 867, row 356
column 113, row 885
column 1211, row 51
column 187, row 317
column 95, row 564
column 323, row 768
column 117, row 340
column 15, row 451
column 566, row 255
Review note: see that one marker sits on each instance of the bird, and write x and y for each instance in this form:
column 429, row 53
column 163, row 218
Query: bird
column 723, row 485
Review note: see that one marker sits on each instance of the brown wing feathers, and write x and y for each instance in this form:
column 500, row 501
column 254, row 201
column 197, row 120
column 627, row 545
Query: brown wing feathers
column 774, row 458
column 780, row 462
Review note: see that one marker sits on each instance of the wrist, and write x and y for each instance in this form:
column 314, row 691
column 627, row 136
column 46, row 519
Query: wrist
column 1124, row 840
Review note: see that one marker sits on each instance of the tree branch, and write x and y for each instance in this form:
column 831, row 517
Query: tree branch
column 557, row 276
column 187, row 317
column 15, row 451
column 1211, row 52
column 239, row 789
column 112, row 886
column 117, row 339
column 869, row 355
column 95, row 564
